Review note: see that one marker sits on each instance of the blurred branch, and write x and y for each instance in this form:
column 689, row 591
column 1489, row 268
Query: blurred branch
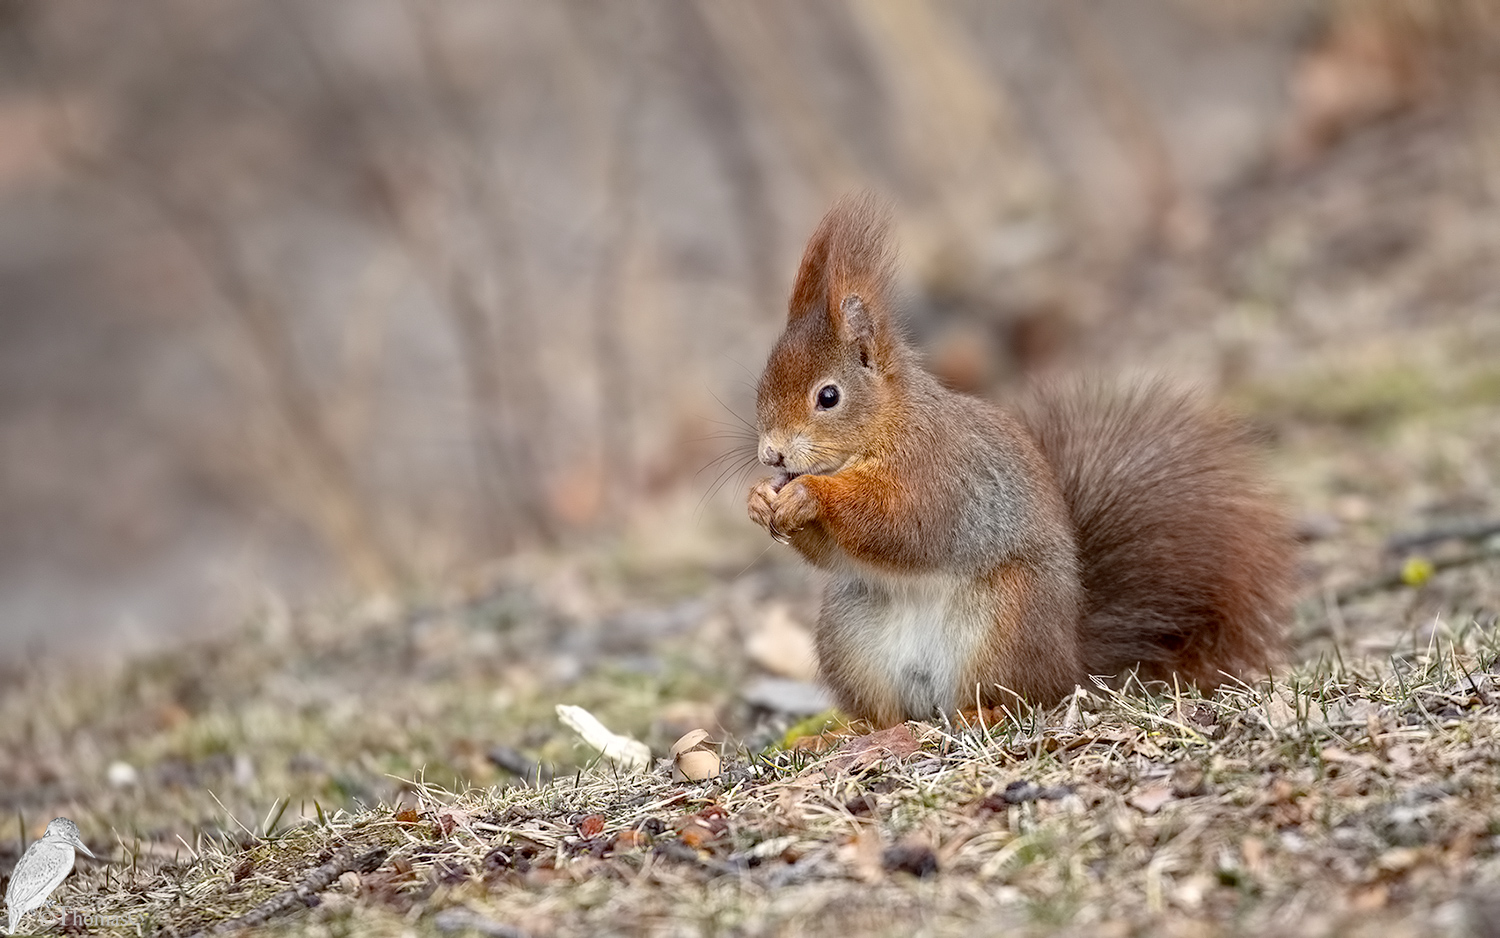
column 1473, row 530
column 742, row 35
column 333, row 502
column 507, row 396
column 716, row 103
column 362, row 351
column 336, row 501
column 511, row 395
column 1128, row 118
column 960, row 141
column 1403, row 578
column 607, row 40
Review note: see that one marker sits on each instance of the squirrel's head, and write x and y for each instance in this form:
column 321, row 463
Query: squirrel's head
column 830, row 377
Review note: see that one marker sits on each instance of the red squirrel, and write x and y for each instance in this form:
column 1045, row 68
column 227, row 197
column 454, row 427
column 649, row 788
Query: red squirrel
column 976, row 554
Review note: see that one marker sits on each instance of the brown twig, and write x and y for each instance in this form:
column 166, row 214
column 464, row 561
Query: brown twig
column 305, row 893
column 1461, row 531
column 1398, row 578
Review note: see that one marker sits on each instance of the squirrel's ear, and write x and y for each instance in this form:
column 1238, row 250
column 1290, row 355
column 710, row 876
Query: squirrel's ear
column 859, row 275
column 856, row 324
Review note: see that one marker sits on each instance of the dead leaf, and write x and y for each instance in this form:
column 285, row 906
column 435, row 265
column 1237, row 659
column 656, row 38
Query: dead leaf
column 866, row 805
column 788, row 812
column 450, row 819
column 1199, row 716
column 1078, row 714
column 1190, row 892
column 703, row 827
column 1369, row 898
column 688, row 741
column 1342, row 757
column 591, row 826
column 1254, row 852
column 1399, row 859
column 1283, row 804
column 783, row 646
column 863, row 751
column 1401, row 757
column 1279, row 713
column 860, row 753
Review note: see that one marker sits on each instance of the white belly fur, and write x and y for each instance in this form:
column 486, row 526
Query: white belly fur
column 919, row 636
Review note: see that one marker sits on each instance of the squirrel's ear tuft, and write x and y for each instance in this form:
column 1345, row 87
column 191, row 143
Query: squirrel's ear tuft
column 810, row 290
column 847, row 270
column 849, row 253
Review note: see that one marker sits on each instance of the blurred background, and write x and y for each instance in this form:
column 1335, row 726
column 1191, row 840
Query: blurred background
column 300, row 299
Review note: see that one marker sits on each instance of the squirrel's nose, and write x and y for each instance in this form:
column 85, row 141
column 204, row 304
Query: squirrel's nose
column 772, row 457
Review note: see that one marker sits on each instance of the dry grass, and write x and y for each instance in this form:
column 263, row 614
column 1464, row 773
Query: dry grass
column 1343, row 798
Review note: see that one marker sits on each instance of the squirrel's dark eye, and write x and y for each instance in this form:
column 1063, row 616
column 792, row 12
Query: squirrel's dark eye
column 828, row 397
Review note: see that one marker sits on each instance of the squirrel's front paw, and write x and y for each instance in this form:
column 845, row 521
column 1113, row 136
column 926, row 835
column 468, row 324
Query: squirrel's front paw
column 794, row 507
column 761, row 497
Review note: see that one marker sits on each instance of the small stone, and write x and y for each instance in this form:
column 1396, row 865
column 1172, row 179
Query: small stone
column 460, row 920
column 244, row 771
column 1188, row 780
column 779, row 695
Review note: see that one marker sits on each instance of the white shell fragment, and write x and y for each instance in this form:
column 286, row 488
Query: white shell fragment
column 689, row 740
column 627, row 753
column 692, row 760
column 697, row 765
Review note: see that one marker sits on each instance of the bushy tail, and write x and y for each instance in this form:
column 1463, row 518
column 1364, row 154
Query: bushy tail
column 1188, row 562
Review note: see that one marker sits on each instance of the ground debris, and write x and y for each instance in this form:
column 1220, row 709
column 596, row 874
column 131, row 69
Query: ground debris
column 1343, row 786
column 305, row 892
